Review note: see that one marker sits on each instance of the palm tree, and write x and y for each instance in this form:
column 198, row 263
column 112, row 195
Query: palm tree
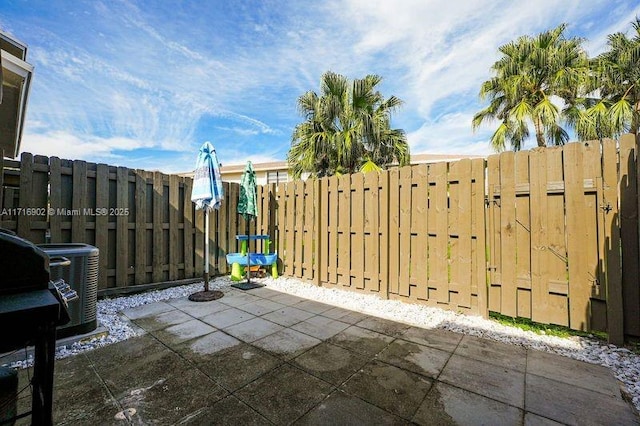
column 530, row 74
column 616, row 78
column 346, row 126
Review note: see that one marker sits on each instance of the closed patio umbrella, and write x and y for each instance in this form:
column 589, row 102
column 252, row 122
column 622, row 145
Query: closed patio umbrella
column 248, row 208
column 207, row 194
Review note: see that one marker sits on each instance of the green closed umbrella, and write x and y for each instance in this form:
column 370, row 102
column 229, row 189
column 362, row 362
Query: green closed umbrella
column 248, row 200
column 248, row 206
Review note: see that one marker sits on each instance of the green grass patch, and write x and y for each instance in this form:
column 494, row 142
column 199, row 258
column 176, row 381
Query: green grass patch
column 544, row 329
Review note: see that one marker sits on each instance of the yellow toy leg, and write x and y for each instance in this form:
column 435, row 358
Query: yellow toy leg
column 274, row 269
column 236, row 272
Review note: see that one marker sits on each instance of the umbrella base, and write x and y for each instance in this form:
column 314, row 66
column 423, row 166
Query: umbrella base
column 206, row 296
column 247, row 285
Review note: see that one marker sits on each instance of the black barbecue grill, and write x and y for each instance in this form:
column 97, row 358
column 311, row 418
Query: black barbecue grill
column 31, row 307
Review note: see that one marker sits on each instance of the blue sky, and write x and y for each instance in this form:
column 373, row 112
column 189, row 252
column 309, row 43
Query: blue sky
column 143, row 84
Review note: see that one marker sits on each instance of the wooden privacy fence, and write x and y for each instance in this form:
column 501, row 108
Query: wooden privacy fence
column 548, row 234
column 143, row 223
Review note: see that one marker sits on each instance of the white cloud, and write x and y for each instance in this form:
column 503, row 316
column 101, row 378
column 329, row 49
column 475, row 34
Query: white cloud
column 450, row 134
column 71, row 146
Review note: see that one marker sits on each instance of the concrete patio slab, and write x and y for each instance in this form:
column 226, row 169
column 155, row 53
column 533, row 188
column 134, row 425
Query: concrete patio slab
column 171, row 395
column 176, row 334
column 227, row 318
column 331, row 363
column 448, row 405
column 261, row 307
column 360, row 340
column 343, row 409
column 571, row 404
column 344, row 315
column 201, row 348
column 531, row 419
column 237, row 298
column 312, row 306
column 147, row 310
column 238, row 366
column 320, row 327
column 200, row 309
column 228, row 411
column 163, row 320
column 288, row 316
column 497, row 353
column 253, row 329
column 266, row 293
column 284, row 394
column 572, row 372
column 439, row 339
column 500, row 383
column 383, row 326
column 391, row 388
column 336, row 312
column 287, row 343
column 287, row 299
column 81, row 383
column 416, row 358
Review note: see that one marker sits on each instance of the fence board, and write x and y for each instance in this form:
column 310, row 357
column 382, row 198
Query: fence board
column 438, row 256
column 141, row 227
column 493, row 220
column 479, row 254
column 102, row 221
column 539, row 229
column 344, row 230
column 404, row 230
column 610, row 243
column 26, row 190
column 558, row 310
column 298, row 231
column 419, row 231
column 290, row 208
column 508, row 234
column 629, row 234
column 394, row 231
column 371, row 229
column 79, row 201
column 461, row 251
column 188, row 229
column 523, row 237
column 579, row 284
column 122, row 229
column 384, row 233
column 55, row 202
column 356, row 233
column 316, row 234
column 158, row 255
column 174, row 208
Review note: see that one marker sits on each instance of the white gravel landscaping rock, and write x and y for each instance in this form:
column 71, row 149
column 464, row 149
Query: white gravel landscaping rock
column 624, row 363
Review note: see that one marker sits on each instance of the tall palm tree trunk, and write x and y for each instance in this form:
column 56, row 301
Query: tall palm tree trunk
column 537, row 123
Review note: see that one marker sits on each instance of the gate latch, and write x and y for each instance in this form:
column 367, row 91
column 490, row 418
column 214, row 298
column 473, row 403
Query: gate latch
column 606, row 207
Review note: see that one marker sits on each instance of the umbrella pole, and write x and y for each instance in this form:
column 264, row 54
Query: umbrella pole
column 206, row 250
column 248, row 252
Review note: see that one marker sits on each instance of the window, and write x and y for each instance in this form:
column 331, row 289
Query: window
column 281, row 176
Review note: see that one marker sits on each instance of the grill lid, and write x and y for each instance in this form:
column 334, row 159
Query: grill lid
column 23, row 266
